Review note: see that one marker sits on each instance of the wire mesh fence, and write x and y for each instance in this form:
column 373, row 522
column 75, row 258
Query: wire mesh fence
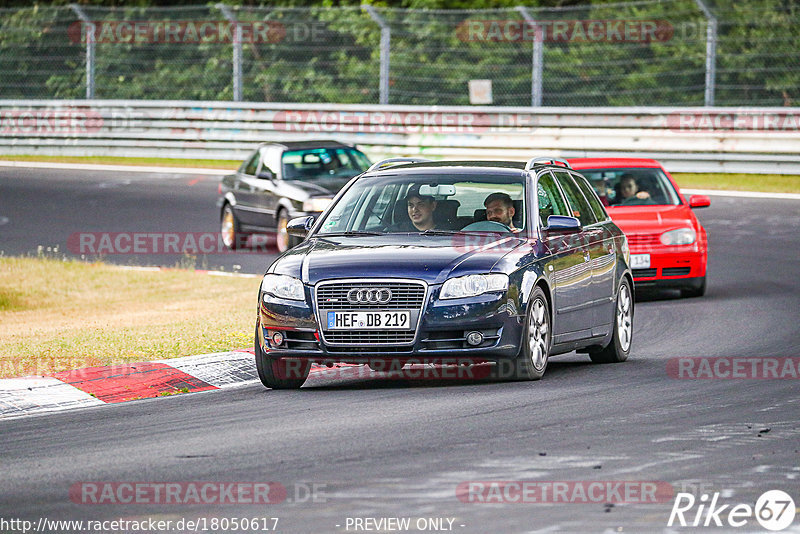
column 644, row 53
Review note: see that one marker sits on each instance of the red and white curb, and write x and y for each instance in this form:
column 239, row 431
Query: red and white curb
column 95, row 386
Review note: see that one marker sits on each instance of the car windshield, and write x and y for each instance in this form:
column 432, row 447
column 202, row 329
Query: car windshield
column 632, row 186
column 319, row 163
column 433, row 204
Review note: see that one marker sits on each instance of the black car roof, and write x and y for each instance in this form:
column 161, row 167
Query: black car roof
column 305, row 145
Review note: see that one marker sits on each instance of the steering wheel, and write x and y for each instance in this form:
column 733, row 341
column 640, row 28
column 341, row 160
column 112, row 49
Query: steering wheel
column 486, row 226
column 635, row 201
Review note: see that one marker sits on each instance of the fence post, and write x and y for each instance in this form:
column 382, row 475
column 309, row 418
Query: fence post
column 237, row 51
column 386, row 39
column 537, row 59
column 711, row 52
column 88, row 31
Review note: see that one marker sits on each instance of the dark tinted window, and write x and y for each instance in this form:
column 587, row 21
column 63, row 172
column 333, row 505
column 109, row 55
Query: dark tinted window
column 323, row 162
column 251, row 166
column 589, row 193
column 580, row 207
column 551, row 202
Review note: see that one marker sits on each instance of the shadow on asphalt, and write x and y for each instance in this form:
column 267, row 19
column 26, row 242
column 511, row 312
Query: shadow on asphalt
column 366, row 379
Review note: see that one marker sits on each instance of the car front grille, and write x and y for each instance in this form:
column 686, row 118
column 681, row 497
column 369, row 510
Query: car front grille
column 370, row 337
column 644, row 273
column 643, row 240
column 676, row 271
column 406, row 295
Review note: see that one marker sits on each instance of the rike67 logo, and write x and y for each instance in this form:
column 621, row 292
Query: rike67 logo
column 774, row 510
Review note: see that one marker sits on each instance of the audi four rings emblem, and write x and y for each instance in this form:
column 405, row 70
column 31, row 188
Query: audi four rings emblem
column 373, row 295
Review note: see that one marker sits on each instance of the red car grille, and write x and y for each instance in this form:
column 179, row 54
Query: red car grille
column 644, row 240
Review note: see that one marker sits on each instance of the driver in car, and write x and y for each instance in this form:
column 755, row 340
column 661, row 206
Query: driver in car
column 629, row 190
column 500, row 208
column 420, row 210
column 420, row 213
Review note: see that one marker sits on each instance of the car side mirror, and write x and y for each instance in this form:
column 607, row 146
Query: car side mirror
column 266, row 174
column 300, row 226
column 563, row 224
column 699, row 201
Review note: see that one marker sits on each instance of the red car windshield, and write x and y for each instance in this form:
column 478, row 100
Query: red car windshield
column 639, row 186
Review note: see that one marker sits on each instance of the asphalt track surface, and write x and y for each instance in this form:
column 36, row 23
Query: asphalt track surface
column 399, row 448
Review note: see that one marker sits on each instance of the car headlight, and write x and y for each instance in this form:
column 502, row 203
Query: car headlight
column 472, row 285
column 626, row 250
column 681, row 236
column 317, row 204
column 281, row 286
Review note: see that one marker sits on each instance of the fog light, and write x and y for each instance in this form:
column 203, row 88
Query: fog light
column 277, row 338
column 474, row 338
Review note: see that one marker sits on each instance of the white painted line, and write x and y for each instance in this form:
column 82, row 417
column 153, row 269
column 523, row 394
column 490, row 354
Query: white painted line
column 221, row 369
column 741, row 194
column 200, row 271
column 241, row 275
column 24, row 396
column 114, row 168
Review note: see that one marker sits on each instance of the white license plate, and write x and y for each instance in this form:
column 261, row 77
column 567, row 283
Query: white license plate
column 640, row 261
column 369, row 320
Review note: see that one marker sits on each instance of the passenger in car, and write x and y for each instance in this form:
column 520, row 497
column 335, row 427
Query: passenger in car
column 500, row 208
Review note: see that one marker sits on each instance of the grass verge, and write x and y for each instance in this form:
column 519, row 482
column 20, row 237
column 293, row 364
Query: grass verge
column 768, row 183
column 58, row 315
column 108, row 160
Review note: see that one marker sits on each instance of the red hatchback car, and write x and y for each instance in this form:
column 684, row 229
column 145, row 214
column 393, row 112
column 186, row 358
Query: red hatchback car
column 668, row 245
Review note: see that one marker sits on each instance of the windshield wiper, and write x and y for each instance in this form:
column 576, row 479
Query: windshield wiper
column 349, row 233
column 457, row 232
column 439, row 232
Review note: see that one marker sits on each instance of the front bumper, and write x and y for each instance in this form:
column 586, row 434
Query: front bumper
column 441, row 334
column 672, row 267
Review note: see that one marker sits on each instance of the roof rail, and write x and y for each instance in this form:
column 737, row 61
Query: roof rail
column 394, row 161
column 546, row 161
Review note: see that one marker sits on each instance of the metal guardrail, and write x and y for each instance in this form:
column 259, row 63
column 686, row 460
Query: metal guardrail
column 695, row 139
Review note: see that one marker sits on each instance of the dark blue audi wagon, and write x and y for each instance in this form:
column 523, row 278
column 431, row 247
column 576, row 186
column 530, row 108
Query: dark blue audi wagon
column 417, row 261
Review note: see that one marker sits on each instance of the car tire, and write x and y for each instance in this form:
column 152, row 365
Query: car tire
column 230, row 229
column 284, row 241
column 699, row 291
column 531, row 362
column 275, row 372
column 620, row 346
